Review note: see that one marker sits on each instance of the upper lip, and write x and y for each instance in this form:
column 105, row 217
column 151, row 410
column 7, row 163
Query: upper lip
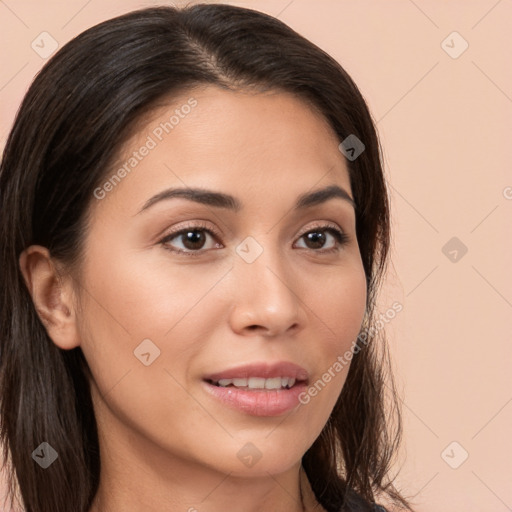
column 262, row 370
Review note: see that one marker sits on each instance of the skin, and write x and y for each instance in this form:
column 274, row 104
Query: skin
column 165, row 443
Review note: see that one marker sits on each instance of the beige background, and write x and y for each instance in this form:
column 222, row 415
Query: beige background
column 445, row 125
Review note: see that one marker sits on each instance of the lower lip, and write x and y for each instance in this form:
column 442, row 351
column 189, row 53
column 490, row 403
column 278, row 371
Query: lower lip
column 260, row 402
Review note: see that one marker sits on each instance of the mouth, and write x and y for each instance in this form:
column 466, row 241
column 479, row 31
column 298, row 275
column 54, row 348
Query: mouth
column 259, row 389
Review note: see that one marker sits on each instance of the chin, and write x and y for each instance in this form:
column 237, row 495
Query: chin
column 257, row 456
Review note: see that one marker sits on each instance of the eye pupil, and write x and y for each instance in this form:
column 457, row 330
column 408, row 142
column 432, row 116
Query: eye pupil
column 192, row 237
column 317, row 238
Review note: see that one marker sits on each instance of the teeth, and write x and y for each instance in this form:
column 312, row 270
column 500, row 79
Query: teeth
column 259, row 383
column 274, row 383
column 256, row 383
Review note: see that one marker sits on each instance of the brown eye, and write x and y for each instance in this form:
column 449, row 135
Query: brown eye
column 189, row 240
column 317, row 238
column 193, row 239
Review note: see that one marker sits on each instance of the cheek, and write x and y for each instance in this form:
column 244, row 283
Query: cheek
column 140, row 295
column 133, row 308
column 338, row 310
column 134, row 298
column 340, row 305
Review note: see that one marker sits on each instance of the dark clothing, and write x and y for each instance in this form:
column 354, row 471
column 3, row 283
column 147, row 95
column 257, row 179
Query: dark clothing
column 355, row 503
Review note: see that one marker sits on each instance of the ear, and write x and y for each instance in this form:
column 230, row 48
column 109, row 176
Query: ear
column 52, row 295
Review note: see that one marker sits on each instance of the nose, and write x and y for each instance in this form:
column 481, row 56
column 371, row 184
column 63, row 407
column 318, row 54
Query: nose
column 265, row 301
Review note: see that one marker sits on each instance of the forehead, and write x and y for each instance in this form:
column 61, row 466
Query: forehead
column 263, row 143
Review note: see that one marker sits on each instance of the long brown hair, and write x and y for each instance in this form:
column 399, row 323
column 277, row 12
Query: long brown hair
column 72, row 123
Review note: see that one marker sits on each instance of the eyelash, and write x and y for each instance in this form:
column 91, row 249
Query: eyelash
column 341, row 238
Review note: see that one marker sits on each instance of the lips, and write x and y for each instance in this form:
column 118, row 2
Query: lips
column 258, row 389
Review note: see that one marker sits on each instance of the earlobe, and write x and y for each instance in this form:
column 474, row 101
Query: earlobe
column 51, row 294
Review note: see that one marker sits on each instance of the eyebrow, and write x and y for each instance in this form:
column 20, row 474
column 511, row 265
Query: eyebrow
column 226, row 201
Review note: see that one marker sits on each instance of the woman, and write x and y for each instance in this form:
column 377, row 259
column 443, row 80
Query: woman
column 194, row 227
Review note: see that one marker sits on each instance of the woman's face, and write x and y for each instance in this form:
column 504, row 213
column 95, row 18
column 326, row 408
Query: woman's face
column 253, row 287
